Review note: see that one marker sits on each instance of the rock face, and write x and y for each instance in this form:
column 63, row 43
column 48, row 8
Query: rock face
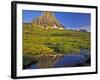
column 47, row 20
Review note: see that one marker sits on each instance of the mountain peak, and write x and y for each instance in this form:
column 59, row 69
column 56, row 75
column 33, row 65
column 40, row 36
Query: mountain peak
column 47, row 20
column 47, row 13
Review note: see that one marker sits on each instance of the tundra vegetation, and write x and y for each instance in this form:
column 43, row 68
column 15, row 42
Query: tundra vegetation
column 40, row 38
column 38, row 41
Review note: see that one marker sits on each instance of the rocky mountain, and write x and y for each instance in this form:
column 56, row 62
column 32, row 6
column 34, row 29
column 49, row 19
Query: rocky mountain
column 47, row 20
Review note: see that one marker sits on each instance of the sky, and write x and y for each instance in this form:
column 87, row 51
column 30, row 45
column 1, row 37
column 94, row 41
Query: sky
column 68, row 19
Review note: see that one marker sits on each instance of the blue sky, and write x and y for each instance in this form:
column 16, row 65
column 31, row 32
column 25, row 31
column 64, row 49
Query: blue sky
column 68, row 19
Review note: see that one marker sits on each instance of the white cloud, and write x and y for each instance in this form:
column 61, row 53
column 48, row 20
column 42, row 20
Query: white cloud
column 86, row 28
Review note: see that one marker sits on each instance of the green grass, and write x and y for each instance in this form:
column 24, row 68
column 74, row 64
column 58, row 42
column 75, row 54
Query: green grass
column 37, row 40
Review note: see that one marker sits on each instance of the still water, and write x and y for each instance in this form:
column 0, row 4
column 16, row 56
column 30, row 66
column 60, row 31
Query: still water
column 73, row 60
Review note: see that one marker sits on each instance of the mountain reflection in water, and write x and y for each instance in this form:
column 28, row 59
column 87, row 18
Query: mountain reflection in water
column 72, row 60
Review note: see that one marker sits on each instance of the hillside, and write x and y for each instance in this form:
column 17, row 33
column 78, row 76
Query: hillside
column 43, row 35
column 37, row 40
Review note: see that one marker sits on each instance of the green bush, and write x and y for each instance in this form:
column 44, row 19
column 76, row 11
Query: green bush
column 66, row 48
column 37, row 49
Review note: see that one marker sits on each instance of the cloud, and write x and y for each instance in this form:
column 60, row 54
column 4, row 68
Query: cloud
column 86, row 28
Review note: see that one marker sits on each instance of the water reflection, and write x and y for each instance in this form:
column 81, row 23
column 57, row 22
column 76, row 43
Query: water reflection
column 73, row 60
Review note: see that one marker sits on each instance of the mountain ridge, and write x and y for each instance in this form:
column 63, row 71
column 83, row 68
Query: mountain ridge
column 47, row 20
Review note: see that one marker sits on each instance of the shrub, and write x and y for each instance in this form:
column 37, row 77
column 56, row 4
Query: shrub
column 37, row 49
column 66, row 48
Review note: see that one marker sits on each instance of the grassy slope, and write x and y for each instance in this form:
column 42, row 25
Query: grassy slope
column 41, row 41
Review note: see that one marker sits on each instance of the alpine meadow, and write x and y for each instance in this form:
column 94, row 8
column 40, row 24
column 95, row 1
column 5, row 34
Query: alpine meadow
column 48, row 43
